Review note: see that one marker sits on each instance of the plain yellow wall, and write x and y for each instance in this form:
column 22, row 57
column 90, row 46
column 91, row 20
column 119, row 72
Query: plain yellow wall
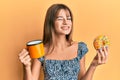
column 22, row 20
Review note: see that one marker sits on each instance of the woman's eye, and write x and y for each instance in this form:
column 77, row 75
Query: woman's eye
column 59, row 18
column 69, row 18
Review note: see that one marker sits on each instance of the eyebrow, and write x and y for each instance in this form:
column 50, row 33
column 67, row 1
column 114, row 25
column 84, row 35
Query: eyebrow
column 62, row 16
column 59, row 16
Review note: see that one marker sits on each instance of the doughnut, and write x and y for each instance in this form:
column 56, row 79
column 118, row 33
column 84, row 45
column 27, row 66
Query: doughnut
column 101, row 41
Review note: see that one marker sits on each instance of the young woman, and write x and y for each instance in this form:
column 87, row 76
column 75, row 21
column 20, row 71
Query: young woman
column 64, row 58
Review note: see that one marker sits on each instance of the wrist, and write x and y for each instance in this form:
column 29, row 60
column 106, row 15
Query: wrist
column 27, row 67
column 93, row 66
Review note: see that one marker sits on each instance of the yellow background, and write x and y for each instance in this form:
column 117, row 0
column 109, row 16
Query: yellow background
column 22, row 20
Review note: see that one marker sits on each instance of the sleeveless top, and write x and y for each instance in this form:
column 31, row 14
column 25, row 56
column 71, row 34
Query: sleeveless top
column 64, row 69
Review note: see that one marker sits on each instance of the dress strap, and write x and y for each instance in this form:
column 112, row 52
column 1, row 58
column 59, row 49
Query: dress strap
column 42, row 59
column 82, row 49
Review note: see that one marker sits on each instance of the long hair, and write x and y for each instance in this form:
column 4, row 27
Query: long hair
column 50, row 20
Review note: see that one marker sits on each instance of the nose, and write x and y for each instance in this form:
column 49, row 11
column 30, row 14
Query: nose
column 65, row 21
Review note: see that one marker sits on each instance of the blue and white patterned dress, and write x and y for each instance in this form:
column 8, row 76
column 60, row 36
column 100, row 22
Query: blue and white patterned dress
column 64, row 69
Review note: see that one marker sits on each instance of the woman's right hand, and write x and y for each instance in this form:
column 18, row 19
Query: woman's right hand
column 24, row 57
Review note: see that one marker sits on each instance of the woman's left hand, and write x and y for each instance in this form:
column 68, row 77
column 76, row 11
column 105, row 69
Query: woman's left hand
column 101, row 57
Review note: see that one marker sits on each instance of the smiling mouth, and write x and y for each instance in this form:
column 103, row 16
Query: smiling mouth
column 65, row 27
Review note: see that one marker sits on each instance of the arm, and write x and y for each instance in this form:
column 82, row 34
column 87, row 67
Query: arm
column 86, row 75
column 33, row 74
column 29, row 74
column 99, row 59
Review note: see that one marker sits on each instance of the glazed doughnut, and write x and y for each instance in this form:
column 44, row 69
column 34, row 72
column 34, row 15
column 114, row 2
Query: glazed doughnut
column 101, row 41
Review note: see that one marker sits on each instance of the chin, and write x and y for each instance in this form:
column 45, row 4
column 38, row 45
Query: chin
column 67, row 33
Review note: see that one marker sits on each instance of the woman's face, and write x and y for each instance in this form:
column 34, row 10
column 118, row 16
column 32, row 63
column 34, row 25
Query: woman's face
column 63, row 23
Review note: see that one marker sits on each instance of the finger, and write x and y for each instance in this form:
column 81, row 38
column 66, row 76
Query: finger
column 25, row 59
column 27, row 62
column 24, row 53
column 101, row 54
column 103, row 57
column 106, row 48
column 99, row 57
column 106, row 53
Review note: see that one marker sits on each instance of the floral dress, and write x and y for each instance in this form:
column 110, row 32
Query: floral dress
column 64, row 69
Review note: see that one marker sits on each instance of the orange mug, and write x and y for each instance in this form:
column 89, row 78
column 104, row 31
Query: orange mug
column 35, row 48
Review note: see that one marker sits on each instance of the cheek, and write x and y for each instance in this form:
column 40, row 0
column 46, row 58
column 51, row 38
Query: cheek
column 58, row 25
column 71, row 25
column 70, row 28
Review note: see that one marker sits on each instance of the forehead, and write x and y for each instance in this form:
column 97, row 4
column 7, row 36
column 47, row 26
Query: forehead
column 63, row 12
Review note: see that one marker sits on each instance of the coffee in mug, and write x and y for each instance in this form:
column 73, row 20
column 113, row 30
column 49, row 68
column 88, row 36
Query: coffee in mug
column 35, row 48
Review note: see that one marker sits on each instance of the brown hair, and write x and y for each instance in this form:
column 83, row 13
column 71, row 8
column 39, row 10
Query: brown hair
column 49, row 23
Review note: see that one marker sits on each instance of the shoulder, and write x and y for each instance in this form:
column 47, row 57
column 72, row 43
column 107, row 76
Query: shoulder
column 82, row 49
column 80, row 43
column 74, row 43
column 82, row 46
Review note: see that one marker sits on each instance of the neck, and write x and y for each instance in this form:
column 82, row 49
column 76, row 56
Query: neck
column 60, row 41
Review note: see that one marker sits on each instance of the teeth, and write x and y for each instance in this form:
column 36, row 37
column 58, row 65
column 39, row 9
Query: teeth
column 65, row 28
